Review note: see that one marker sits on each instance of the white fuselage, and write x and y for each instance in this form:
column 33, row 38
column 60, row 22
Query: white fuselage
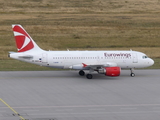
column 76, row 59
column 103, row 62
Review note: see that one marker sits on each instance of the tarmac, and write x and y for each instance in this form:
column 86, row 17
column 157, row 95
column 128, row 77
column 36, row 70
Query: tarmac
column 64, row 95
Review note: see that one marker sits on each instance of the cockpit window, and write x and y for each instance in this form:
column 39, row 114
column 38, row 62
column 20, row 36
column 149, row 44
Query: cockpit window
column 144, row 57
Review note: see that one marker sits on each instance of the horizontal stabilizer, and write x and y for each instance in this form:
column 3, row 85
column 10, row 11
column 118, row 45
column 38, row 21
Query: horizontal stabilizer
column 26, row 57
column 10, row 52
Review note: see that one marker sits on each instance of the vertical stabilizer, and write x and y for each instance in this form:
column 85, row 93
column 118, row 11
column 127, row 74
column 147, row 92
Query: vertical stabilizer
column 23, row 40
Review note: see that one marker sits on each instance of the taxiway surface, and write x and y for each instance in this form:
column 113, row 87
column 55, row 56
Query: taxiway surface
column 64, row 95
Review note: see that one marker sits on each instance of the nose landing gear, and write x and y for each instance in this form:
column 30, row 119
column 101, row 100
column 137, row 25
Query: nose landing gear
column 132, row 72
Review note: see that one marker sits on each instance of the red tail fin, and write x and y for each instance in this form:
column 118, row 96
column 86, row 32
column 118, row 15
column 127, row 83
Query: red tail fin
column 23, row 41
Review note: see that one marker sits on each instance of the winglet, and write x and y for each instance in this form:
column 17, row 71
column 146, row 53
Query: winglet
column 84, row 65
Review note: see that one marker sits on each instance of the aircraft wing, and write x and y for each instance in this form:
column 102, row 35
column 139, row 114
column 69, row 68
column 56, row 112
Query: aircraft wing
column 93, row 65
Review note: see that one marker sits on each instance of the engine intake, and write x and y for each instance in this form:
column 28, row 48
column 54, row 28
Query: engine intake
column 110, row 71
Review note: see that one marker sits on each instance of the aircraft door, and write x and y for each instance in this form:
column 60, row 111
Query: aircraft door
column 135, row 59
column 44, row 58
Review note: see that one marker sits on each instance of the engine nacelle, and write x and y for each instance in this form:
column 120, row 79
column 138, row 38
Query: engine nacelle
column 110, row 71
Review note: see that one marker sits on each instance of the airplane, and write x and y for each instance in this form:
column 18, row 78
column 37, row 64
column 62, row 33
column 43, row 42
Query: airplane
column 108, row 63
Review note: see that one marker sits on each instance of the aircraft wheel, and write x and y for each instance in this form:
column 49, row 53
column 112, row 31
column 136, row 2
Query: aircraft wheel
column 132, row 74
column 89, row 76
column 81, row 73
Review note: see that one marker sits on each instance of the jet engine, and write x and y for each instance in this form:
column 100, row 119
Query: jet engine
column 110, row 71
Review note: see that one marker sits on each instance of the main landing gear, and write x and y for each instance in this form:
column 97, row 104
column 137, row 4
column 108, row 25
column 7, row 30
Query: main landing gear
column 132, row 72
column 89, row 76
column 82, row 73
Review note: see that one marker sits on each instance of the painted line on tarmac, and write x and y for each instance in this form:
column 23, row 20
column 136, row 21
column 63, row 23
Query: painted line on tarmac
column 12, row 109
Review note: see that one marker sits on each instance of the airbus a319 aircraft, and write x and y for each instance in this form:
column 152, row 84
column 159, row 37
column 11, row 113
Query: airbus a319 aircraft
column 108, row 63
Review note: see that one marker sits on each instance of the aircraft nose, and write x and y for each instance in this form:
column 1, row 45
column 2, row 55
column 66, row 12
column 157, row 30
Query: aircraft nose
column 151, row 62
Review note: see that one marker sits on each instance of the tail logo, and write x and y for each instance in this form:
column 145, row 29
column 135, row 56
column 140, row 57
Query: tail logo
column 23, row 40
